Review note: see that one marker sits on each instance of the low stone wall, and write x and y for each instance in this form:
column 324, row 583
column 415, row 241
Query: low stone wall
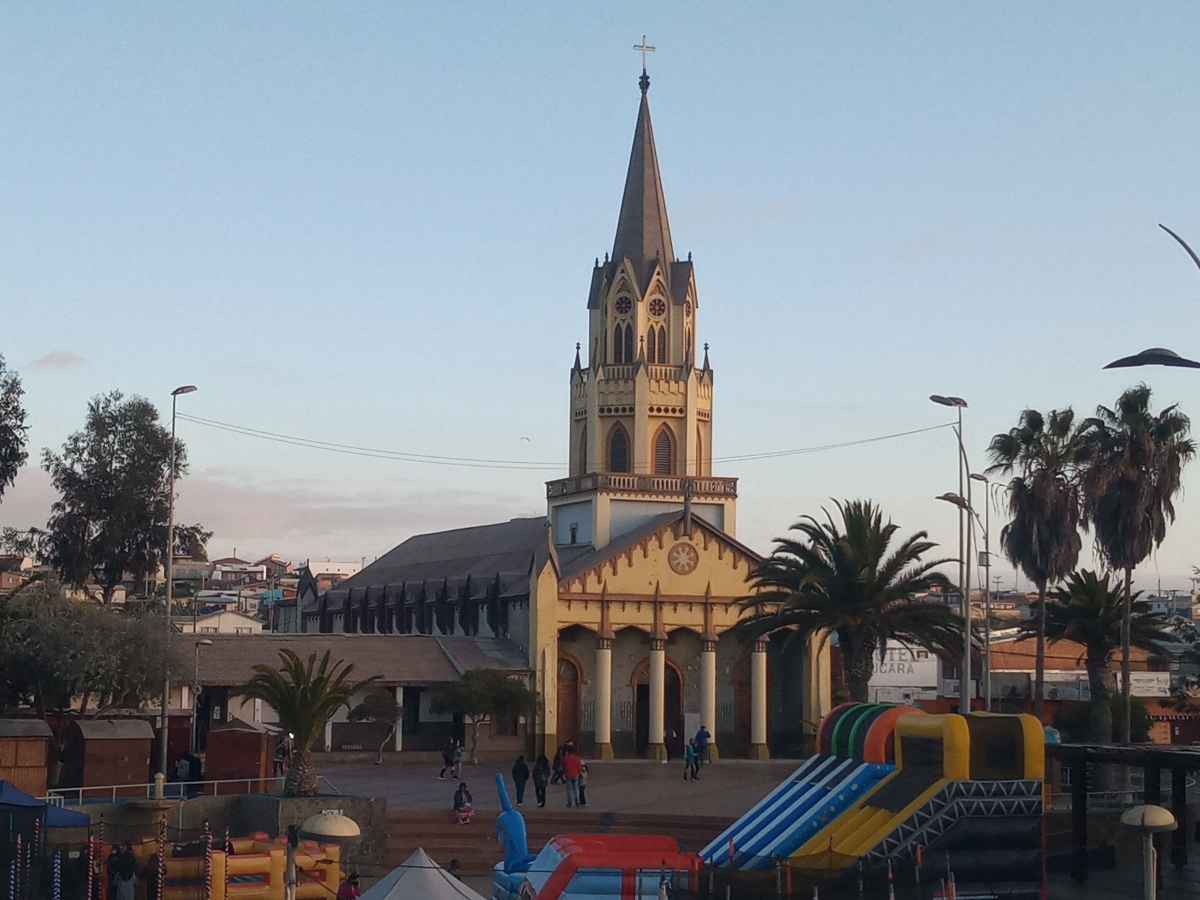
column 245, row 814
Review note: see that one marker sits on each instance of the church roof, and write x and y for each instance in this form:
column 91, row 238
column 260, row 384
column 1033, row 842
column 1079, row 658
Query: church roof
column 583, row 562
column 510, row 549
column 396, row 658
column 642, row 230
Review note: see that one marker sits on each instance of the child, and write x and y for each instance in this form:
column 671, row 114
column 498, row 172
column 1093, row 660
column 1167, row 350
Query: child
column 583, row 785
column 463, row 811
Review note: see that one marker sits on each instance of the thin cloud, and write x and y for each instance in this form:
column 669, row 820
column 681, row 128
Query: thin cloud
column 58, row 359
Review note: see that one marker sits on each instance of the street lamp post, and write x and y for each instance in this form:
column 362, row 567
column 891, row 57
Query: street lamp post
column 166, row 696
column 964, row 546
column 204, row 642
column 964, row 681
column 986, row 560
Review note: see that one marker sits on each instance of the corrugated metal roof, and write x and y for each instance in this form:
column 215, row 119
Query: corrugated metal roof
column 115, row 729
column 24, row 728
column 399, row 659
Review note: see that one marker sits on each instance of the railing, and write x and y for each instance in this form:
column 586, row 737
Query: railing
column 172, row 790
column 642, row 484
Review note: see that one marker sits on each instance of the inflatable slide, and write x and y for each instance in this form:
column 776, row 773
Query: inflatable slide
column 855, row 750
column 971, row 784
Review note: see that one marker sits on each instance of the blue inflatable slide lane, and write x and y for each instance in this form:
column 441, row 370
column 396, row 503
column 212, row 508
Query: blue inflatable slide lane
column 811, row 797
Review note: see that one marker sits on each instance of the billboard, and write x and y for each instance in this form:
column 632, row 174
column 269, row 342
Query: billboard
column 903, row 675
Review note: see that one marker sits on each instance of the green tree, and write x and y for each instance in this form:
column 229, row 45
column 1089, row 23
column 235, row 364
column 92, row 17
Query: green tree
column 842, row 579
column 113, row 478
column 1042, row 453
column 1134, row 470
column 13, row 430
column 66, row 659
column 1074, row 720
column 305, row 695
column 380, row 708
column 1090, row 612
column 482, row 694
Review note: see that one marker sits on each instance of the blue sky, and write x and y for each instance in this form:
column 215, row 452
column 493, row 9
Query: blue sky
column 375, row 224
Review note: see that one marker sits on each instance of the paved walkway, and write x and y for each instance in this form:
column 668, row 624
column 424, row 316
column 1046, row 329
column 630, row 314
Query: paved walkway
column 725, row 788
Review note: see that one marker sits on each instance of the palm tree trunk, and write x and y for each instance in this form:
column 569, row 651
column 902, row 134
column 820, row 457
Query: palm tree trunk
column 301, row 778
column 1039, row 671
column 1126, row 614
column 1100, row 719
column 857, row 665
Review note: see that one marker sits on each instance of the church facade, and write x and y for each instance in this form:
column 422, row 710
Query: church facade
column 624, row 597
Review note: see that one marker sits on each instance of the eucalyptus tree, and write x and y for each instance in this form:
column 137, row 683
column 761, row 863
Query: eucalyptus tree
column 13, row 430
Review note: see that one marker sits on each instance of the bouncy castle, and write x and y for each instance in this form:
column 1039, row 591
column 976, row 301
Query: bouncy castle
column 894, row 787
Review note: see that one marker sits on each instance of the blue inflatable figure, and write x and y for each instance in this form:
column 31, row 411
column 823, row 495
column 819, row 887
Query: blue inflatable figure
column 510, row 832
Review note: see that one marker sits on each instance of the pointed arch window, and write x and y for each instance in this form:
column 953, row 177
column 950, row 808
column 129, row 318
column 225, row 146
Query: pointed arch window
column 618, row 450
column 629, row 357
column 699, row 453
column 662, row 344
column 618, row 346
column 664, row 451
column 651, row 343
column 583, row 452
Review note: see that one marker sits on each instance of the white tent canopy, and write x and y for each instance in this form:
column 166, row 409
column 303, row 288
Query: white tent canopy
column 420, row 878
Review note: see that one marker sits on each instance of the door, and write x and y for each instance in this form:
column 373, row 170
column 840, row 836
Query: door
column 742, row 707
column 673, row 735
column 568, row 702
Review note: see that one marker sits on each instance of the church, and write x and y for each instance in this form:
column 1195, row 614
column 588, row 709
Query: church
column 624, row 596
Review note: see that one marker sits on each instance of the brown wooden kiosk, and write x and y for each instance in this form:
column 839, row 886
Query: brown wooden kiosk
column 107, row 752
column 240, row 749
column 23, row 754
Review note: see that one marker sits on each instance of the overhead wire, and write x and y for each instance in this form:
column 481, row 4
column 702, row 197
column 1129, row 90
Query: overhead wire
column 526, row 465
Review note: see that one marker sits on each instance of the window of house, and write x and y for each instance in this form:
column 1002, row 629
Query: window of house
column 663, row 452
column 618, row 451
column 662, row 344
column 504, row 726
column 629, row 357
column 618, row 346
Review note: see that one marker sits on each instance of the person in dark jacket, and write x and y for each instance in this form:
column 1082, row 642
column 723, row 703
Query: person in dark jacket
column 520, row 774
column 556, row 767
column 541, row 778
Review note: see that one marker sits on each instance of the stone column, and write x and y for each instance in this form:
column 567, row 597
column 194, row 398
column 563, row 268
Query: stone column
column 398, row 738
column 708, row 689
column 657, row 748
column 603, row 711
column 328, row 737
column 758, row 701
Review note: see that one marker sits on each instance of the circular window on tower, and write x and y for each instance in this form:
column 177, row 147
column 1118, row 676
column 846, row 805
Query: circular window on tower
column 687, row 309
column 623, row 306
column 658, row 308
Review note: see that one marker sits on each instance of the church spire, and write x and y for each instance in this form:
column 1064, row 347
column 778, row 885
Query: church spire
column 642, row 229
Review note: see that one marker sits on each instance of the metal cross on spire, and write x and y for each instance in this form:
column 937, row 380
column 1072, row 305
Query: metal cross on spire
column 644, row 81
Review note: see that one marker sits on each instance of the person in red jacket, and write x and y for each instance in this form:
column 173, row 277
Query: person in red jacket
column 572, row 765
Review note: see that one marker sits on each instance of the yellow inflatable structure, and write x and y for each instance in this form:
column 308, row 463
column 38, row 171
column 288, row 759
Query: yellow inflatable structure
column 995, row 763
column 255, row 870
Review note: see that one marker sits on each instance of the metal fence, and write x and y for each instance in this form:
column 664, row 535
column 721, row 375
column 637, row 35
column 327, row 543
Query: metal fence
column 177, row 790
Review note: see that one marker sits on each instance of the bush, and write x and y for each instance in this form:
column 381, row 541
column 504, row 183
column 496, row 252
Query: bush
column 1072, row 720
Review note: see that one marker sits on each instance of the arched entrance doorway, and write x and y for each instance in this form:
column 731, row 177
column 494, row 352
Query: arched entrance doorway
column 569, row 678
column 672, row 708
column 742, row 707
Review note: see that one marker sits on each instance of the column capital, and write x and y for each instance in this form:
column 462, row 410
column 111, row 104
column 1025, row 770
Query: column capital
column 658, row 640
column 604, row 640
column 708, row 642
column 760, row 645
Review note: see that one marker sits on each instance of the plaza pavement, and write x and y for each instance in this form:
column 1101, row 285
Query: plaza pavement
column 725, row 788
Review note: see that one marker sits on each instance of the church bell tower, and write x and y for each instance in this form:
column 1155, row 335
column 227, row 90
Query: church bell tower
column 641, row 407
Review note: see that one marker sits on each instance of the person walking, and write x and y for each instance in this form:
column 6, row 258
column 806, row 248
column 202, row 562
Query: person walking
column 541, row 778
column 689, row 760
column 520, row 774
column 583, row 778
column 447, row 759
column 556, row 767
column 572, row 765
column 702, row 739
column 456, row 758
column 463, row 810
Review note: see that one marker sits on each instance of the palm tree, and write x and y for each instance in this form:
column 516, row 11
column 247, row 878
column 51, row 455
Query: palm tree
column 843, row 580
column 1134, row 468
column 305, row 696
column 1090, row 612
column 1042, row 454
